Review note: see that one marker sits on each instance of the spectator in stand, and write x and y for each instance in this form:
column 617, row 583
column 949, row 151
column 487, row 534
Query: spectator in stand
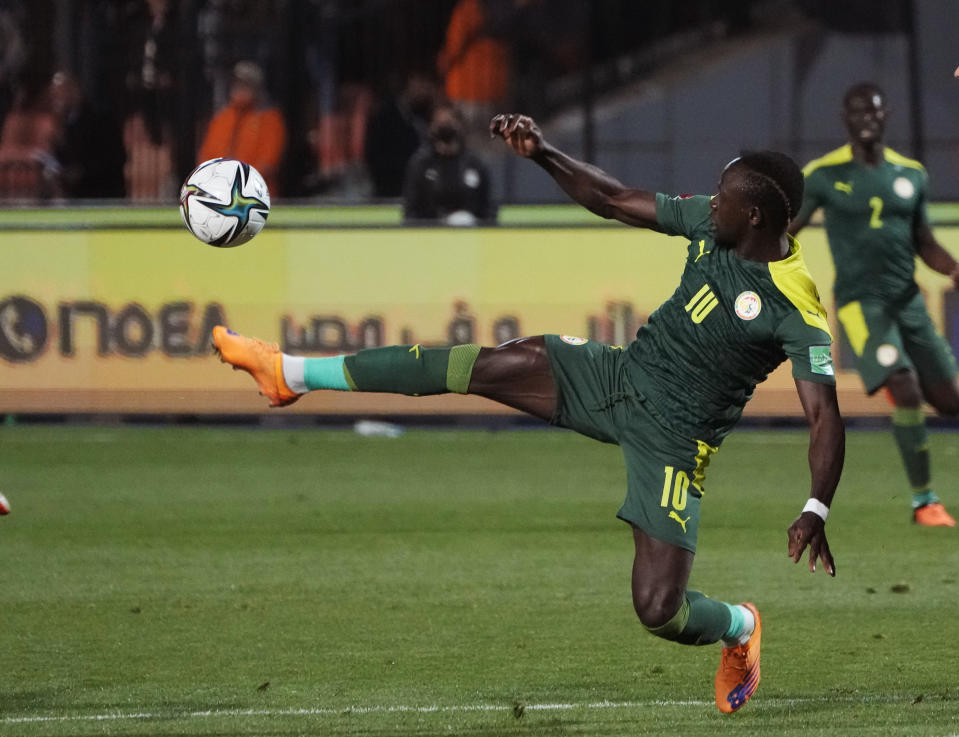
column 395, row 130
column 27, row 167
column 475, row 59
column 445, row 181
column 13, row 53
column 89, row 145
column 249, row 128
column 151, row 78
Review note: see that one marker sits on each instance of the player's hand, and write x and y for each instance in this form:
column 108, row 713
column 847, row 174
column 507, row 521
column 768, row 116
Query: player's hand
column 809, row 530
column 519, row 131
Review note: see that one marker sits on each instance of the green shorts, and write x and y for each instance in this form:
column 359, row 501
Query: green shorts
column 887, row 338
column 665, row 471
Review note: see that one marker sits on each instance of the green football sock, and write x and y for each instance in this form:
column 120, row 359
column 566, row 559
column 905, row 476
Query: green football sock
column 412, row 370
column 699, row 621
column 909, row 430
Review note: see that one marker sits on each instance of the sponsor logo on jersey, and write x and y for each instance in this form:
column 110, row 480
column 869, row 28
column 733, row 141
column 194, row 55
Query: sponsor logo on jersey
column 820, row 360
column 887, row 355
column 843, row 187
column 748, row 306
column 573, row 340
column 904, row 188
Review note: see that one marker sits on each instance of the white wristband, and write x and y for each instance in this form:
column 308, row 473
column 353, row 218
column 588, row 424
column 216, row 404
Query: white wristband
column 816, row 507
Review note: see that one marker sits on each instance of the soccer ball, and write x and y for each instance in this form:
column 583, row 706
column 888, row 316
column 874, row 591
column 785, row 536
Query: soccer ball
column 224, row 202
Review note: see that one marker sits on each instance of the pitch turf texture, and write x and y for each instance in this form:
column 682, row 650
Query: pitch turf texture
column 171, row 581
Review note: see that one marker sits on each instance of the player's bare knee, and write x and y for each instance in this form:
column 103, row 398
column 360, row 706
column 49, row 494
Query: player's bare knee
column 505, row 362
column 946, row 406
column 943, row 396
column 904, row 389
column 669, row 627
column 656, row 608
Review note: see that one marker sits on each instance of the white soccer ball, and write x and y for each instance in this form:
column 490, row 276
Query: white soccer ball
column 224, row 202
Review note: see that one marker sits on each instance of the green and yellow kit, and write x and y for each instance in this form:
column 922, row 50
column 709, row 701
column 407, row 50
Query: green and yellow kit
column 870, row 214
column 672, row 395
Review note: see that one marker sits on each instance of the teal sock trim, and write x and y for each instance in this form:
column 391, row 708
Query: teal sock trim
column 325, row 373
column 736, row 624
column 922, row 498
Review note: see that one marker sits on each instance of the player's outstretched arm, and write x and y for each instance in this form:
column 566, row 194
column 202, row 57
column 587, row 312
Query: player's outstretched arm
column 827, row 450
column 586, row 184
column 934, row 255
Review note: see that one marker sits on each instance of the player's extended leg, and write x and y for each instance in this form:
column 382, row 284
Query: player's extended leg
column 669, row 610
column 516, row 373
column 909, row 430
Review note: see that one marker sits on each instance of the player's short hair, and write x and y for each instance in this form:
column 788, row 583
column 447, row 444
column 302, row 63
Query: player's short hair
column 775, row 183
column 862, row 89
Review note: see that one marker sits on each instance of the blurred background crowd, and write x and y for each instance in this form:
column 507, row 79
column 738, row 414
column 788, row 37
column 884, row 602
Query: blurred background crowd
column 121, row 98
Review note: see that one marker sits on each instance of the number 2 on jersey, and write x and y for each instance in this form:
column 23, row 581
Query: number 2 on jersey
column 875, row 221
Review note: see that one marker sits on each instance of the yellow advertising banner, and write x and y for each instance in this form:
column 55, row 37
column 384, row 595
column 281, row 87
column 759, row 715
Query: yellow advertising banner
column 119, row 320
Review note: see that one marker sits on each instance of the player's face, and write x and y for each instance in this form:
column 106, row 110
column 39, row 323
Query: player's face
column 729, row 208
column 865, row 117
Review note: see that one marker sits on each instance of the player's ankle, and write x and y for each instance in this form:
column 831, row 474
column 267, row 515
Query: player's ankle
column 294, row 369
column 922, row 498
column 741, row 627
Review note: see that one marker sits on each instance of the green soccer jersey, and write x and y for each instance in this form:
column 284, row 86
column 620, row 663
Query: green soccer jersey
column 728, row 324
column 870, row 215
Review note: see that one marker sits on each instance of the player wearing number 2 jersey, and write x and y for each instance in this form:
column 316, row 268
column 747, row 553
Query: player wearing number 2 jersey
column 874, row 203
column 745, row 303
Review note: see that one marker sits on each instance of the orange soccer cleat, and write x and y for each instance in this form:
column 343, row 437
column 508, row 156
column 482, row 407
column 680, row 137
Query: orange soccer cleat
column 933, row 515
column 738, row 674
column 262, row 361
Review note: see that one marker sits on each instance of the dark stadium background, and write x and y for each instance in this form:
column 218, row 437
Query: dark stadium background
column 603, row 74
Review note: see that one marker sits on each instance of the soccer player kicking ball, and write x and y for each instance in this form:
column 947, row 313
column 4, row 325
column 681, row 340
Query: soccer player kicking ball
column 744, row 304
column 874, row 202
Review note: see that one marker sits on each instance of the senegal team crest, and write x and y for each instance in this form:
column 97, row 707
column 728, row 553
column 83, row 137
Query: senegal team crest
column 904, row 188
column 887, row 355
column 748, row 306
column 573, row 340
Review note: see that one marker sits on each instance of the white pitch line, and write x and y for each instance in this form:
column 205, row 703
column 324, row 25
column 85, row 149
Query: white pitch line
column 402, row 709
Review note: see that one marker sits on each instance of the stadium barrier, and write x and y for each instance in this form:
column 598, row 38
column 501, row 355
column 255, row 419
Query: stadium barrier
column 117, row 320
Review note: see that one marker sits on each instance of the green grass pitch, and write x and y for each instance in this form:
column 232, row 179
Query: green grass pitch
column 229, row 581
